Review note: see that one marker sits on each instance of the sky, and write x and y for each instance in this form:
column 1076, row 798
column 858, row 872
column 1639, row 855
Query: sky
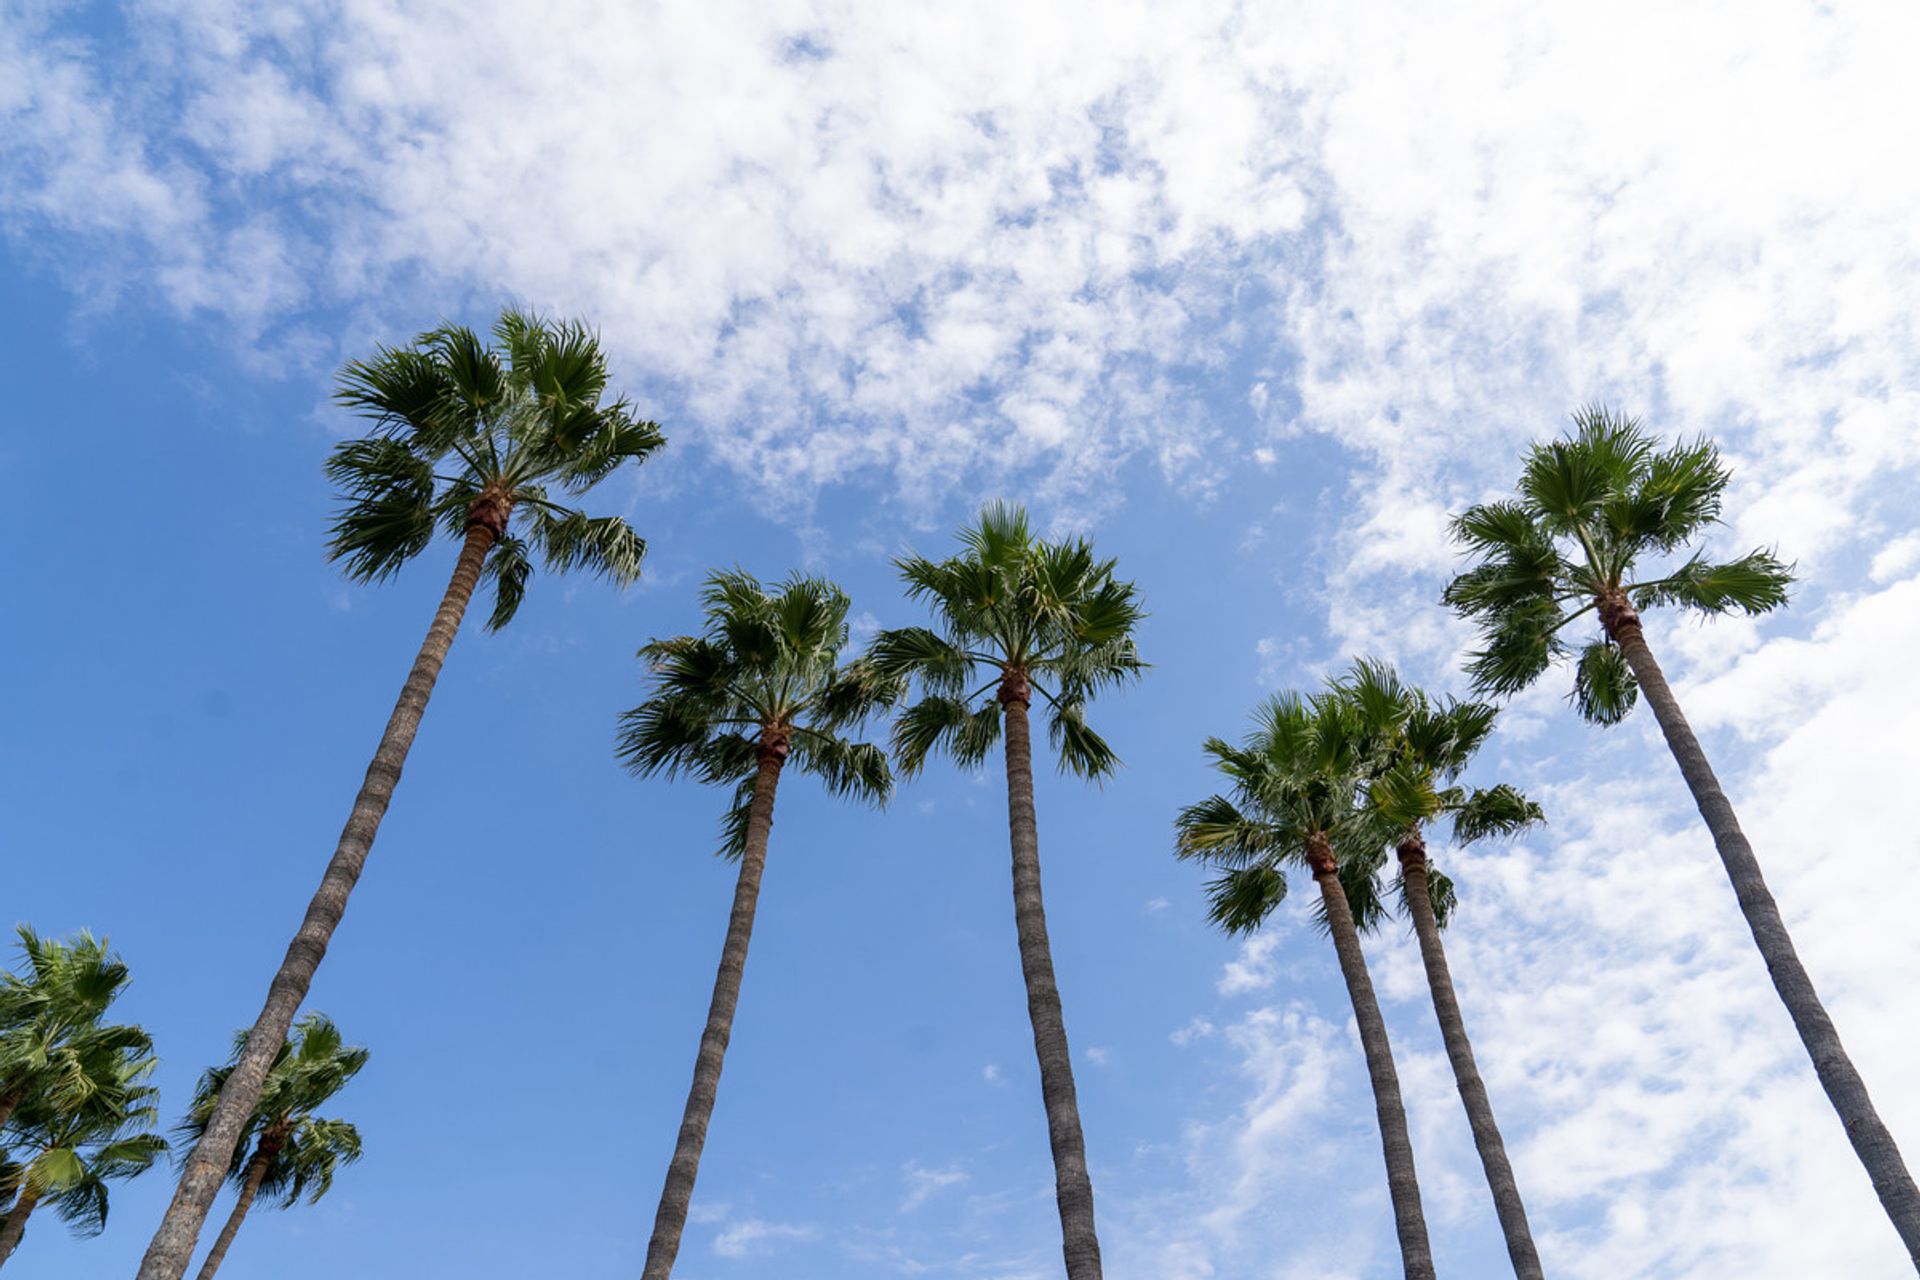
column 1253, row 296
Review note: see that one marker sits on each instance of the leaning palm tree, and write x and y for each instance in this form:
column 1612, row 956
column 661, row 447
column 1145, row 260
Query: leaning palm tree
column 472, row 441
column 1425, row 745
column 66, row 1150
column 1597, row 528
column 51, row 1020
column 1295, row 797
column 286, row 1151
column 762, row 688
column 1027, row 614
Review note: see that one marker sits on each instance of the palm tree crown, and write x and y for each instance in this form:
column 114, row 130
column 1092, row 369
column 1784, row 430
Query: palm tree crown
column 303, row 1150
column 1296, row 783
column 1036, row 615
column 765, row 676
column 1592, row 510
column 471, row 434
column 51, row 1033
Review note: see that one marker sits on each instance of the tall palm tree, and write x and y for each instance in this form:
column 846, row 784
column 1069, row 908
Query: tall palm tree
column 1296, row 786
column 68, row 1147
column 1597, row 527
column 50, row 1020
column 469, row 440
column 286, row 1151
column 1425, row 745
column 762, row 688
column 1026, row 614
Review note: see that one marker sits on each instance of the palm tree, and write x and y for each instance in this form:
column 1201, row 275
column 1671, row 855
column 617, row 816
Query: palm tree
column 1295, row 798
column 286, row 1152
column 1596, row 528
column 1426, row 744
column 1027, row 614
column 68, row 1148
column 50, row 1020
column 761, row 688
column 467, row 440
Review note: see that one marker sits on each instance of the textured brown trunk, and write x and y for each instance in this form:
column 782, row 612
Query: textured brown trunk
column 1072, row 1187
column 9, row 1103
column 1466, row 1073
column 1410, row 1223
column 15, row 1225
column 1872, row 1142
column 173, row 1244
column 256, row 1174
column 670, row 1220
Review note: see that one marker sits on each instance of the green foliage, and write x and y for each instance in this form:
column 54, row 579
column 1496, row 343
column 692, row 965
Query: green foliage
column 1597, row 515
column 457, row 420
column 313, row 1065
column 1010, row 605
column 82, row 1111
column 766, row 668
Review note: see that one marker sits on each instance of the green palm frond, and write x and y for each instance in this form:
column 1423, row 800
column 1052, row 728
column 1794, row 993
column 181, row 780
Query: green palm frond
column 1241, row 899
column 1493, row 811
column 1604, row 689
column 456, row 420
column 1590, row 507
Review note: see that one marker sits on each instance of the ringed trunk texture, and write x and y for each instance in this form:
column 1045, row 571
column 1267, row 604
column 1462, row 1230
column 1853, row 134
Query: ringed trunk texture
column 206, row 1167
column 1409, row 1222
column 1466, row 1073
column 670, row 1220
column 16, row 1224
column 1872, row 1141
column 1072, row 1187
column 256, row 1174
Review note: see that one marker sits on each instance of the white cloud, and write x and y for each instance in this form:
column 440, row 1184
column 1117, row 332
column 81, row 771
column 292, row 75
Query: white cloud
column 753, row 1236
column 992, row 1074
column 924, row 1183
column 1255, row 967
column 1099, row 1055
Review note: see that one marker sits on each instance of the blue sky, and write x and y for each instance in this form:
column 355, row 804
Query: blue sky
column 1253, row 301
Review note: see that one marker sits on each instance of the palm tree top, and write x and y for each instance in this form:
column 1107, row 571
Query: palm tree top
column 1597, row 522
column 764, row 677
column 52, row 1041
column 469, row 433
column 1028, row 614
column 314, row 1063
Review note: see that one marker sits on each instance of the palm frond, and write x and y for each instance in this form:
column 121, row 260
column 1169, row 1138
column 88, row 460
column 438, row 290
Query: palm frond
column 1241, row 900
column 1604, row 689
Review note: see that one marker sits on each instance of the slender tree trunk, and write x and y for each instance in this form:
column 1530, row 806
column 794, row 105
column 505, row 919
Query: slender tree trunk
column 173, row 1244
column 1072, row 1188
column 670, row 1220
column 256, row 1174
column 1466, row 1073
column 1402, row 1186
column 15, row 1225
column 1872, row 1142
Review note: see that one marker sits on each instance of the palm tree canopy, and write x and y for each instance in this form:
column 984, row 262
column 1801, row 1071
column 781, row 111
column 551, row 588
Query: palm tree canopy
column 1295, row 786
column 765, row 674
column 67, row 1153
column 466, row 432
column 1422, row 745
column 1031, row 614
column 52, row 1039
column 312, row 1066
column 1600, row 519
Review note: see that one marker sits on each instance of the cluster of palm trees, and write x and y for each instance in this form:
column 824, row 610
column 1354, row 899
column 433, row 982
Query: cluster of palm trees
column 77, row 1113
column 487, row 442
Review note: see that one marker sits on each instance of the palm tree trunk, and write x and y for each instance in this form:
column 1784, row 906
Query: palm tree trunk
column 9, row 1103
column 670, row 1220
column 1872, row 1142
column 15, row 1225
column 1072, row 1188
column 256, row 1174
column 1402, row 1186
column 1466, row 1073
column 173, row 1243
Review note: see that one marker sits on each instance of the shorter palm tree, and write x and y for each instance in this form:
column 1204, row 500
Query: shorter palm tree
column 286, row 1153
column 1295, row 799
column 1425, row 744
column 760, row 689
column 64, row 1154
